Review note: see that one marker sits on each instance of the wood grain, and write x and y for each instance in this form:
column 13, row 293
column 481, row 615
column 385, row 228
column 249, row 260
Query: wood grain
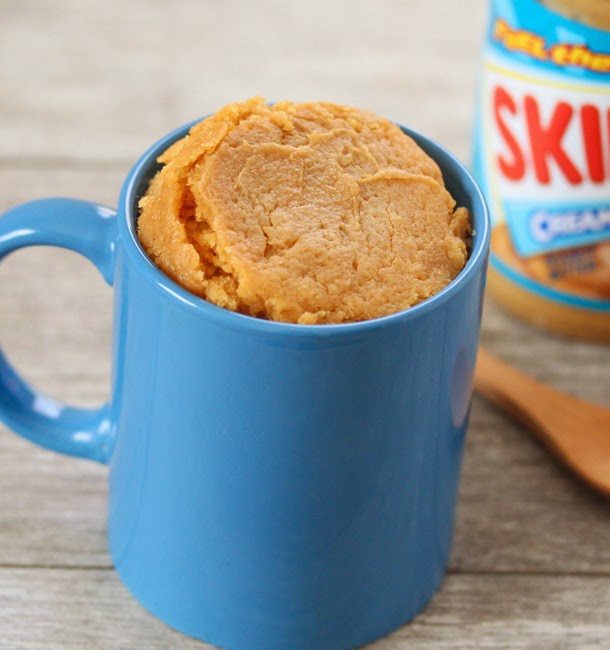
column 84, row 89
column 73, row 609
column 576, row 431
column 518, row 509
column 97, row 81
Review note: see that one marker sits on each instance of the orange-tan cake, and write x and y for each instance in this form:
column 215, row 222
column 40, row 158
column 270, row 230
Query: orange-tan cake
column 303, row 213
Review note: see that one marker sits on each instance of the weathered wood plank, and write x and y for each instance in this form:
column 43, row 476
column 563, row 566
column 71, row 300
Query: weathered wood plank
column 84, row 89
column 25, row 180
column 75, row 609
column 94, row 81
column 69, row 609
column 518, row 509
column 55, row 325
column 54, row 305
column 578, row 367
column 501, row 612
column 52, row 508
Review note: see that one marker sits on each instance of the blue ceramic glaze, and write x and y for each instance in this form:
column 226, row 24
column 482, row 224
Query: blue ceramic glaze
column 272, row 486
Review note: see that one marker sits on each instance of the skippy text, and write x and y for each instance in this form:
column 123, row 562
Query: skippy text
column 540, row 144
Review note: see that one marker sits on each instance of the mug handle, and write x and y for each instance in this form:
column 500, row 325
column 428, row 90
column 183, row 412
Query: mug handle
column 90, row 230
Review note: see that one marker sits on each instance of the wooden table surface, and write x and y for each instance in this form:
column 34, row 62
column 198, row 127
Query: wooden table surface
column 85, row 87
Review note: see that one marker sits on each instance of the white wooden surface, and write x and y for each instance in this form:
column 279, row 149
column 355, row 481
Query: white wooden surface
column 85, row 87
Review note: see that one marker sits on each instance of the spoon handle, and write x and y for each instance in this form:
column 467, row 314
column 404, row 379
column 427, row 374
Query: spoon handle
column 574, row 430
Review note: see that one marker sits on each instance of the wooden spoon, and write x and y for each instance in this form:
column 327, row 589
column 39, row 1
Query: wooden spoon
column 576, row 431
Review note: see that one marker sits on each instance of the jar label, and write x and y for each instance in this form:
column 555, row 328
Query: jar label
column 542, row 148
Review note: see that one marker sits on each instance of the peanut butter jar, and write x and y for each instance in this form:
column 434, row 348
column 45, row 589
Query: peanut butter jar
column 542, row 158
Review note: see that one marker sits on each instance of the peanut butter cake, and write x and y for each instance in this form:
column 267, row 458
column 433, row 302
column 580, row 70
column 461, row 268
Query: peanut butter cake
column 303, row 213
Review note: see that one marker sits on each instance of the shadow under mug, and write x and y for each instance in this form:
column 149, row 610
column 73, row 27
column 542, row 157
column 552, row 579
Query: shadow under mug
column 272, row 485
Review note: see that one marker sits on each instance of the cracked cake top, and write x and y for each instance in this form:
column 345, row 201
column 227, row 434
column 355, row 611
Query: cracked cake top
column 303, row 213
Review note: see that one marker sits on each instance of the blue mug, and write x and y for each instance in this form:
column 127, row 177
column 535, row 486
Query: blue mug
column 272, row 485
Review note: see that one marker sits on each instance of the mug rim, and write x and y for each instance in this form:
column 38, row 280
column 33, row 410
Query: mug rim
column 127, row 221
